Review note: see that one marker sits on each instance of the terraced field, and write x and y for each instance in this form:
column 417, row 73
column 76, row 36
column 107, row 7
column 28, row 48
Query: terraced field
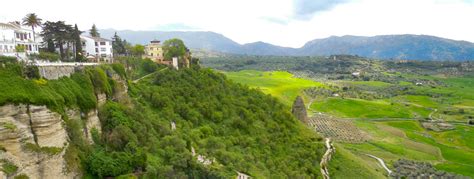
column 392, row 122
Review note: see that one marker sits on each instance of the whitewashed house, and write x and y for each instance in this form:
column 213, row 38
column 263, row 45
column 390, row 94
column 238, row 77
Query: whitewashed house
column 97, row 49
column 13, row 34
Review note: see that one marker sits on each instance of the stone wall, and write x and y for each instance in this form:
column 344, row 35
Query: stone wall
column 56, row 72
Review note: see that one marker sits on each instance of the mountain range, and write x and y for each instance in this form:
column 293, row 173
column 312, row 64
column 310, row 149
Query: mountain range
column 411, row 47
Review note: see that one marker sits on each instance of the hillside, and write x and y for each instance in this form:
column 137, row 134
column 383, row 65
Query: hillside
column 191, row 123
column 412, row 47
column 414, row 115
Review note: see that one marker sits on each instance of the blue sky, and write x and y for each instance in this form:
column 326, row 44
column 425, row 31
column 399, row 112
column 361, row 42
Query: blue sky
column 281, row 22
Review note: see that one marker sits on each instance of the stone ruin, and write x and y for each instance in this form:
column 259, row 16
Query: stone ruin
column 299, row 110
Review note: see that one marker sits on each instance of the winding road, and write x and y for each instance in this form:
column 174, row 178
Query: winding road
column 326, row 158
column 381, row 163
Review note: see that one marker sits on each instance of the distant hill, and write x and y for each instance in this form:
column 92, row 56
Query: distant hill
column 412, row 47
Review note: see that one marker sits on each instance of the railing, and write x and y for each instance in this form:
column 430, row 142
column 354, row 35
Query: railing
column 44, row 63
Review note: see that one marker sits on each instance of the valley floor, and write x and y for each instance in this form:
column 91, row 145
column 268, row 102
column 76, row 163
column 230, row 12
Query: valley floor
column 402, row 120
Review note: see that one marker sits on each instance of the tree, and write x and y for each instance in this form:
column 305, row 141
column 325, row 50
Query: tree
column 173, row 48
column 33, row 21
column 118, row 45
column 78, row 44
column 138, row 50
column 94, row 31
column 58, row 33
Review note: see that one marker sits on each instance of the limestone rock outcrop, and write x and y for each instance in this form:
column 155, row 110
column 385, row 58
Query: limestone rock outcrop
column 299, row 110
column 23, row 125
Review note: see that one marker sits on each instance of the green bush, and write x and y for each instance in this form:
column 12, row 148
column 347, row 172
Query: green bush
column 8, row 167
column 45, row 150
column 46, row 56
column 5, row 59
column 100, row 80
column 119, row 69
column 32, row 72
column 21, row 176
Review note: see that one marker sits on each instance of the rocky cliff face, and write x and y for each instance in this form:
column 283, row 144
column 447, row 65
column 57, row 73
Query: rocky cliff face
column 299, row 110
column 27, row 132
column 34, row 139
column 24, row 131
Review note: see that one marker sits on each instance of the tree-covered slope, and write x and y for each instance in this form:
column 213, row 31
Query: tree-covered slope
column 191, row 123
column 236, row 128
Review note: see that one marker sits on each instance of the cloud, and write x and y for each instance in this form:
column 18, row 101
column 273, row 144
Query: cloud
column 306, row 9
column 275, row 20
column 176, row 27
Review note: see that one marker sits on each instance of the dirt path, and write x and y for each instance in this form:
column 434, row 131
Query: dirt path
column 310, row 103
column 381, row 163
column 137, row 80
column 431, row 114
column 326, row 158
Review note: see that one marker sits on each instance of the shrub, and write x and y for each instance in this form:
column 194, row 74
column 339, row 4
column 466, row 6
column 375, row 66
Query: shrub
column 20, row 48
column 21, row 176
column 45, row 150
column 5, row 59
column 119, row 69
column 10, row 126
column 99, row 80
column 102, row 164
column 32, row 72
column 46, row 56
column 8, row 167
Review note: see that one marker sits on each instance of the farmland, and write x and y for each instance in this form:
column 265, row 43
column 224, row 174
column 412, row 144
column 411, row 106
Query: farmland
column 389, row 112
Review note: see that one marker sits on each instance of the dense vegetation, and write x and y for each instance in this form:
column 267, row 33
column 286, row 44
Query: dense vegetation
column 391, row 101
column 74, row 92
column 337, row 66
column 220, row 127
column 236, row 128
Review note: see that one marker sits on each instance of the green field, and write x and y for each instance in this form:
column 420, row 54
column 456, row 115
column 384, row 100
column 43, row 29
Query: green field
column 279, row 84
column 391, row 122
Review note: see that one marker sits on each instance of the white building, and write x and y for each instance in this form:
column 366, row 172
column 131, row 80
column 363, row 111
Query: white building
column 13, row 34
column 97, row 49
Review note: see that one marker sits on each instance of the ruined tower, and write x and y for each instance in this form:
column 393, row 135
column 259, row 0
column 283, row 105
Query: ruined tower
column 299, row 110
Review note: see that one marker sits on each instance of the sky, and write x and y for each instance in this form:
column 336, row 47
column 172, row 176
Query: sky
column 289, row 23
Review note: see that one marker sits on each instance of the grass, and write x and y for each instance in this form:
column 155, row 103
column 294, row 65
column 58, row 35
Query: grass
column 345, row 164
column 358, row 108
column 391, row 138
column 8, row 167
column 280, row 84
column 45, row 150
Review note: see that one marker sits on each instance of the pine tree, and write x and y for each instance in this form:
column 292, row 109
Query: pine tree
column 94, row 32
column 78, row 44
column 118, row 45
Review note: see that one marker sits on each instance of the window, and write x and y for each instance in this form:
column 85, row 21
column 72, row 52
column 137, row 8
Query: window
column 83, row 43
column 17, row 35
column 29, row 35
column 102, row 43
column 103, row 55
column 151, row 54
column 103, row 49
column 96, row 50
column 96, row 44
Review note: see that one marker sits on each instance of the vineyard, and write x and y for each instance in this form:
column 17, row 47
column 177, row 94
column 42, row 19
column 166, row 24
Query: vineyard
column 337, row 129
